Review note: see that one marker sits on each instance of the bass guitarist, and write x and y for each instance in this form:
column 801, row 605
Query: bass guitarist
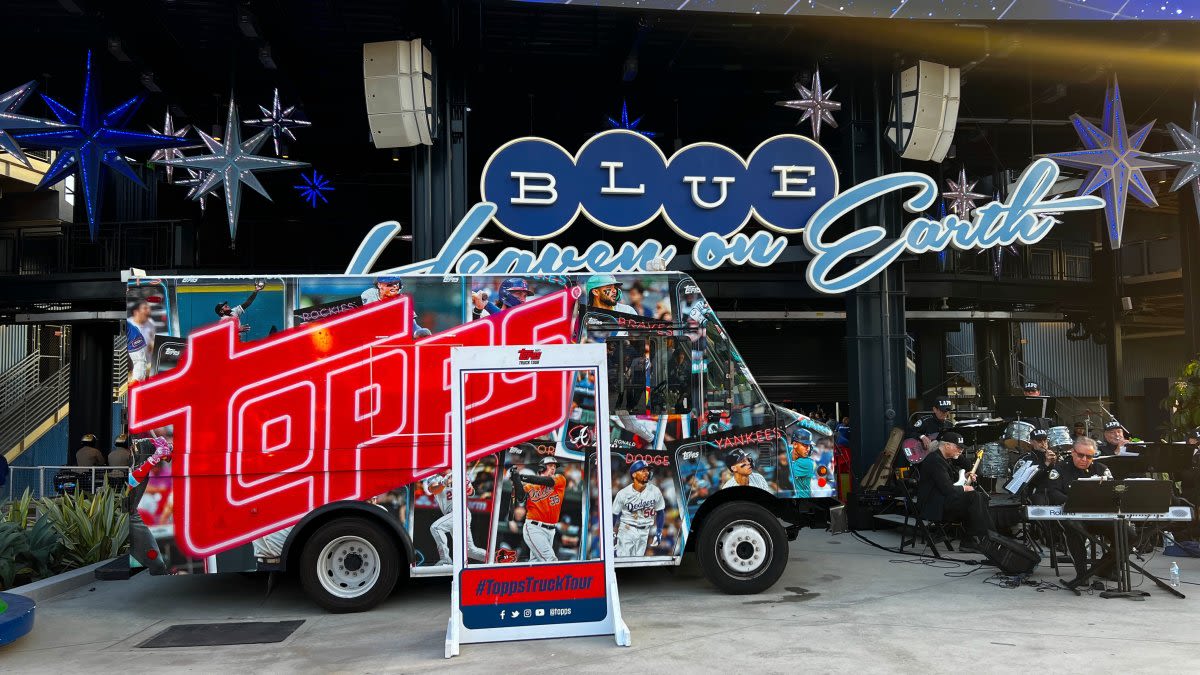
column 925, row 430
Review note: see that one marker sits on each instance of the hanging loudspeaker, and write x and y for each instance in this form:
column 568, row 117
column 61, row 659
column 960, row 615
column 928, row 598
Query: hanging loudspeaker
column 927, row 97
column 398, row 85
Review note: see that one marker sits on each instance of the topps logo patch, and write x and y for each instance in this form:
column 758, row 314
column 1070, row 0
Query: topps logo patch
column 526, row 357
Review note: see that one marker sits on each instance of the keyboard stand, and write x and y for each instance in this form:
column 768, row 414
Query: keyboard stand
column 1118, row 557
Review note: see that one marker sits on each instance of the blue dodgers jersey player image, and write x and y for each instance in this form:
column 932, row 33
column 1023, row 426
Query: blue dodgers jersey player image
column 639, row 512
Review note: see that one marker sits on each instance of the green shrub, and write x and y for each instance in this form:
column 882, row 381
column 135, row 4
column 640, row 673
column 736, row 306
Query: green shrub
column 17, row 511
column 14, row 548
column 92, row 527
column 1183, row 403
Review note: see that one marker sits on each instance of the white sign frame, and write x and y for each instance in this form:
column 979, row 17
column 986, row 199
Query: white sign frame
column 506, row 360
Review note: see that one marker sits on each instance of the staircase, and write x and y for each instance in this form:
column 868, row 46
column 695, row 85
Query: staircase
column 29, row 405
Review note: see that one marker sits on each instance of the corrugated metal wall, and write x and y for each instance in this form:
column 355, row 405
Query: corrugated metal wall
column 1062, row 367
column 1150, row 357
column 960, row 351
column 14, row 345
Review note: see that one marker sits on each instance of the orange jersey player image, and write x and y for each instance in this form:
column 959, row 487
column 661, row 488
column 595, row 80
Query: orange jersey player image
column 543, row 497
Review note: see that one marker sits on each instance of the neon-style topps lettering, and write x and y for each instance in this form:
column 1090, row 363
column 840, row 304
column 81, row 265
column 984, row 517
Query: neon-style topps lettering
column 268, row 431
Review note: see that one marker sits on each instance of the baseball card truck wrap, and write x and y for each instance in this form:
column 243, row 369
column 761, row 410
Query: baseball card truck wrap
column 303, row 422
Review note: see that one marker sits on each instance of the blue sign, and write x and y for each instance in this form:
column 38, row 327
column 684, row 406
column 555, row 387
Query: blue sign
column 534, row 189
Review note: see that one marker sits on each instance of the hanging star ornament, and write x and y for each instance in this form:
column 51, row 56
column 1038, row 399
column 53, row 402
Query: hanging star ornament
column 1114, row 162
column 962, row 195
column 92, row 139
column 10, row 101
column 314, row 188
column 996, row 253
column 624, row 123
column 1187, row 157
column 231, row 164
column 193, row 181
column 169, row 153
column 279, row 121
column 817, row 106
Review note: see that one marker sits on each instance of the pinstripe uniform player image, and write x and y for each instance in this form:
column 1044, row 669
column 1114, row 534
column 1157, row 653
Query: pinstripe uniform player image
column 543, row 497
column 439, row 487
column 639, row 511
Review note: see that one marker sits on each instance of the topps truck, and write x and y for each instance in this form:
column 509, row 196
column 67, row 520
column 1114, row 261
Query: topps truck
column 302, row 423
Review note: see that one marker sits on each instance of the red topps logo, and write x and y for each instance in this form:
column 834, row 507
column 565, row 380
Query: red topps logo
column 267, row 431
column 529, row 356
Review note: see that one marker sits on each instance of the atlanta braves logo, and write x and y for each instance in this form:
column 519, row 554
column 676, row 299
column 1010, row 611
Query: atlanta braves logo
column 581, row 437
column 267, row 431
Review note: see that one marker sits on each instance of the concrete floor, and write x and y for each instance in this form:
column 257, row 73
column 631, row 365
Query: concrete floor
column 841, row 606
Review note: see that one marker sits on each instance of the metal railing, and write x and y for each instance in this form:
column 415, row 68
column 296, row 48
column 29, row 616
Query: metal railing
column 120, row 371
column 17, row 381
column 38, row 404
column 50, row 481
column 1050, row 260
column 38, row 249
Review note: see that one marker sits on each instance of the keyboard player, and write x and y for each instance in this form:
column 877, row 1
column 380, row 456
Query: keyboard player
column 1080, row 464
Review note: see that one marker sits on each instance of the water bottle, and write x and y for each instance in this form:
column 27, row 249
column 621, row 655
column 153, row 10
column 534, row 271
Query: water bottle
column 1174, row 574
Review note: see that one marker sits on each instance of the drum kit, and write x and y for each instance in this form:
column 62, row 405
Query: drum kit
column 1016, row 439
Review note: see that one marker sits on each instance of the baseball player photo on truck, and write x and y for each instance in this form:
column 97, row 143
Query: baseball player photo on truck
column 639, row 511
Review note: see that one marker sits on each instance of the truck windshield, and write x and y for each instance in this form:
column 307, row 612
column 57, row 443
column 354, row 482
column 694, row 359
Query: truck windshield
column 732, row 398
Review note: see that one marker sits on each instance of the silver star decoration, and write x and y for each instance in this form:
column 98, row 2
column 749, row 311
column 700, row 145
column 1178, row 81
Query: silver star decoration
column 232, row 164
column 169, row 153
column 1187, row 157
column 962, row 195
column 194, row 179
column 816, row 104
column 279, row 121
column 1114, row 162
column 10, row 101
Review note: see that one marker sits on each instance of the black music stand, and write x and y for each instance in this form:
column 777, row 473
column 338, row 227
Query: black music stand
column 1172, row 458
column 1120, row 498
column 1025, row 407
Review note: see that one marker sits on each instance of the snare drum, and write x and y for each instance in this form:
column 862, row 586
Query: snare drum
column 1059, row 437
column 1017, row 435
column 995, row 461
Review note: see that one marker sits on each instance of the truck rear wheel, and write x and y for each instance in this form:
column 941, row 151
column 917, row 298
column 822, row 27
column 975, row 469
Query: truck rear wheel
column 349, row 565
column 743, row 548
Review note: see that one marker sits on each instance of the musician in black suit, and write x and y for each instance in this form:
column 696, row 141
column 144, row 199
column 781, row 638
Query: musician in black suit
column 1116, row 440
column 1042, row 456
column 1081, row 464
column 939, row 499
column 926, row 429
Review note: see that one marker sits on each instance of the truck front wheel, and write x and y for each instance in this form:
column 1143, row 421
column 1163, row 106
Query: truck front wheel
column 743, row 548
column 349, row 565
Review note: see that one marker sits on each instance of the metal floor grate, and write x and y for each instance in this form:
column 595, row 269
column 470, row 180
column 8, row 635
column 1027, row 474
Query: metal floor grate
column 217, row 634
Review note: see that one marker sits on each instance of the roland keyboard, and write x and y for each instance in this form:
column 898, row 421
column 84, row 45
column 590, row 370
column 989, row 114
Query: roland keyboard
column 1176, row 513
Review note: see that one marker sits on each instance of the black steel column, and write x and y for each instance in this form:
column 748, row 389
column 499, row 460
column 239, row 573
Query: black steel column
column 91, row 395
column 931, row 359
column 874, row 311
column 1189, row 241
column 439, row 172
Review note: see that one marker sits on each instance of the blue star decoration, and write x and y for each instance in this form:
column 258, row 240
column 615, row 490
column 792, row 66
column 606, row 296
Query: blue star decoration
column 231, row 164
column 314, row 188
column 1187, row 155
column 92, row 139
column 624, row 123
column 10, row 101
column 1114, row 162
